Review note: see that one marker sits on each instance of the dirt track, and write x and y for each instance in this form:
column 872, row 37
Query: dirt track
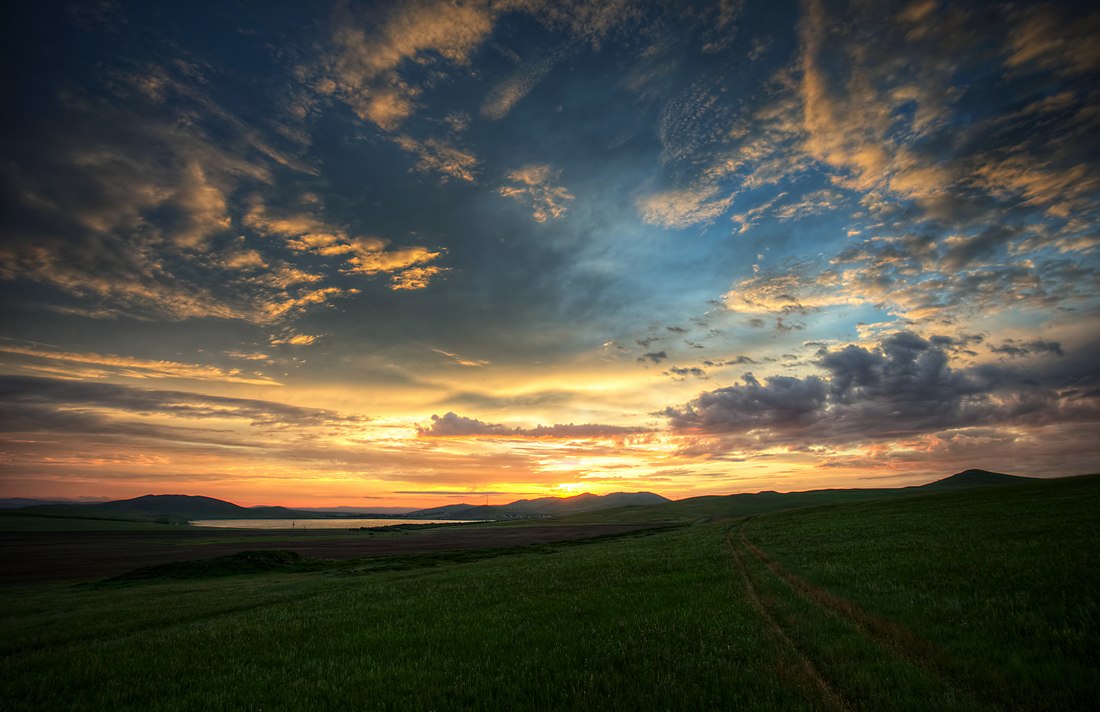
column 38, row 557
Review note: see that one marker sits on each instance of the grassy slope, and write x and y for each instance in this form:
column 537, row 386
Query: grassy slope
column 995, row 589
column 633, row 623
column 750, row 504
column 737, row 505
column 964, row 600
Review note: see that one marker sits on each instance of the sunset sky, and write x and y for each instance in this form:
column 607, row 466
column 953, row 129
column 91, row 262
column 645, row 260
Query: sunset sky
column 407, row 254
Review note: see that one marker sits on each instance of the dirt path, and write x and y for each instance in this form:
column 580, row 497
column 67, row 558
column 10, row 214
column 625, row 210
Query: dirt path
column 889, row 635
column 799, row 666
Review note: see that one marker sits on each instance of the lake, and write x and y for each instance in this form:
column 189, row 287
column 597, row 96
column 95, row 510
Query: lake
column 317, row 523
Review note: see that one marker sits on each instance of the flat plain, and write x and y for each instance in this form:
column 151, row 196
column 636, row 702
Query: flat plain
column 66, row 551
column 981, row 598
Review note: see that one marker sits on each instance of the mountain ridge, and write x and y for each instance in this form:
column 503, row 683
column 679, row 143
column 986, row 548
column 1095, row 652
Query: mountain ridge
column 166, row 507
column 540, row 507
column 974, row 478
column 182, row 508
column 743, row 504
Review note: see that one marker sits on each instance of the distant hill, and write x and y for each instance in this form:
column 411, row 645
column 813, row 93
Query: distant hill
column 749, row 504
column 542, row 507
column 618, row 506
column 181, row 507
column 167, row 507
column 18, row 502
column 975, row 478
column 359, row 511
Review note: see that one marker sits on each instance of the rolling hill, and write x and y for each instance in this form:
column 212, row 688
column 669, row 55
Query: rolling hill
column 167, row 507
column 747, row 504
column 541, row 507
column 182, row 508
column 975, row 478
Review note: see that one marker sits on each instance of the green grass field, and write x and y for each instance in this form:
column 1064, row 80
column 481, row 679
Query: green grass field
column 977, row 599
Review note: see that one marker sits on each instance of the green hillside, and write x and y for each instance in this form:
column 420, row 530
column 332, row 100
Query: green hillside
column 748, row 504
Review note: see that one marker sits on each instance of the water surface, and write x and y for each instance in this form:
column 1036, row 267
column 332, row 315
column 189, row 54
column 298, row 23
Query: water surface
column 317, row 523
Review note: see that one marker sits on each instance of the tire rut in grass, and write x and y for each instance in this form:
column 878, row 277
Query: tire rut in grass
column 801, row 666
column 885, row 633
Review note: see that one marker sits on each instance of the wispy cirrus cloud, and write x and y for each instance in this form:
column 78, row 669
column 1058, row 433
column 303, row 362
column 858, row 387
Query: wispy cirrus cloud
column 292, row 339
column 132, row 202
column 68, row 396
column 99, row 365
column 527, row 76
column 682, row 208
column 1045, row 37
column 787, row 291
column 374, row 53
column 436, row 155
column 306, row 233
column 458, row 493
column 460, row 361
column 364, row 67
column 452, row 425
column 535, row 183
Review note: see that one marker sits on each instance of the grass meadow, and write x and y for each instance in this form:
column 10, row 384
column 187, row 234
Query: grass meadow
column 977, row 599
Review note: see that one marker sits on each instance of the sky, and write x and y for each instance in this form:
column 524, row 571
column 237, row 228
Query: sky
column 368, row 254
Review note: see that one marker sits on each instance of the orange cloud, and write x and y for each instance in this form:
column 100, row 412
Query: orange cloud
column 438, row 156
column 535, row 183
column 407, row 266
column 131, row 367
column 684, row 207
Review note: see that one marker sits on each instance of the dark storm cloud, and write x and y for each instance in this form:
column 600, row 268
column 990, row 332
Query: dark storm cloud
column 735, row 361
column 652, row 357
column 482, row 401
column 1015, row 348
column 680, row 373
column 780, row 403
column 456, row 493
column 906, row 386
column 59, row 400
column 959, row 342
column 582, row 430
column 978, row 249
column 454, row 425
column 782, row 326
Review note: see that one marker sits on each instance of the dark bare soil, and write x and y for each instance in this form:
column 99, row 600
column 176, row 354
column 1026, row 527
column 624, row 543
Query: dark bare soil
column 38, row 557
